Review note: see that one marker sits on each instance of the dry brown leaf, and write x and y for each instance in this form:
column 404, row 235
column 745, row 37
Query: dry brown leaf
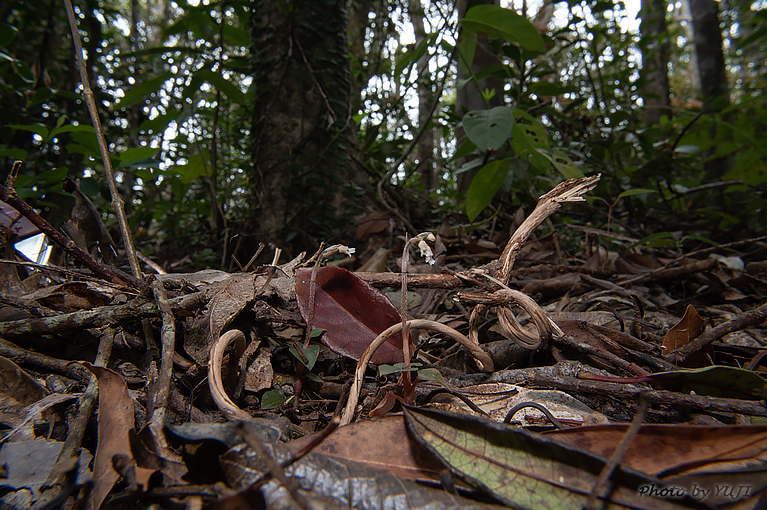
column 19, row 390
column 660, row 448
column 383, row 444
column 114, row 426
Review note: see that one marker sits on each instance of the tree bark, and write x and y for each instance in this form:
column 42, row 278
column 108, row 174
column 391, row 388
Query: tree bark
column 655, row 53
column 709, row 53
column 302, row 177
column 427, row 176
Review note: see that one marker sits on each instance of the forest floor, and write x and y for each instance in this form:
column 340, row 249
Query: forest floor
column 542, row 370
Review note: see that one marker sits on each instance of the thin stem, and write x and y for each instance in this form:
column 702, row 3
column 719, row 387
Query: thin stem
column 117, row 202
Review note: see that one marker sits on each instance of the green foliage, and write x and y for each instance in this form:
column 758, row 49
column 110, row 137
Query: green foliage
column 484, row 186
column 489, row 129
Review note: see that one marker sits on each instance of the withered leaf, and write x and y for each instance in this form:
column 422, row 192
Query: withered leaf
column 351, row 312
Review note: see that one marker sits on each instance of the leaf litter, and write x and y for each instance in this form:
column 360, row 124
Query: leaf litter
column 536, row 432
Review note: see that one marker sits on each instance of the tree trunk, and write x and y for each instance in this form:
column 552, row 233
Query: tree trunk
column 427, row 176
column 470, row 97
column 655, row 53
column 709, row 54
column 712, row 71
column 302, row 177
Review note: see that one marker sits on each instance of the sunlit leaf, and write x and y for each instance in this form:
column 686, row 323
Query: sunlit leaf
column 495, row 21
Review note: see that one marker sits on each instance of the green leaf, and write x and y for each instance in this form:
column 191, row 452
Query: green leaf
column 7, row 34
column 90, row 186
column 523, row 469
column 233, row 92
column 484, row 186
column 159, row 123
column 272, row 399
column 562, row 162
column 236, row 35
column 136, row 154
column 466, row 148
column 69, row 128
column 467, row 47
column 489, row 129
column 637, row 191
column 397, row 367
column 316, row 332
column 410, row 57
column 38, row 129
column 311, row 353
column 195, row 167
column 143, row 89
column 432, row 374
column 688, row 149
column 20, row 154
column 657, row 240
column 495, row 21
column 528, row 135
column 546, row 88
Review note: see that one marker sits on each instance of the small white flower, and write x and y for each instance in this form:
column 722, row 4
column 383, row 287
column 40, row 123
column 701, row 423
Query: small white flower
column 338, row 248
column 426, row 252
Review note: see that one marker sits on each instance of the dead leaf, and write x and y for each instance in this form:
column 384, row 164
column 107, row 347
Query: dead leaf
column 382, row 444
column 230, row 298
column 372, row 223
column 689, row 328
column 19, row 390
column 260, row 372
column 114, row 425
column 672, row 449
column 351, row 312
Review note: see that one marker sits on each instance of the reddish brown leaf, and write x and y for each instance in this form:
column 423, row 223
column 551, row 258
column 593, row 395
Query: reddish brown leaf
column 383, row 444
column 351, row 312
column 664, row 448
column 115, row 423
column 685, row 331
column 689, row 328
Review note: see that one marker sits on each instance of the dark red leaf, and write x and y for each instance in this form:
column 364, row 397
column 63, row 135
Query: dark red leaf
column 351, row 312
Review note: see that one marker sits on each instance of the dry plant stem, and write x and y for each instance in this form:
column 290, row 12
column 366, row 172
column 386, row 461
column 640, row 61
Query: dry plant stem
column 624, row 391
column 215, row 382
column 76, row 428
column 430, row 281
column 168, row 340
column 403, row 315
column 312, row 297
column 668, row 273
column 606, row 355
column 568, row 191
column 737, row 323
column 273, row 468
column 97, row 317
column 354, row 394
column 117, row 202
column 108, row 273
column 617, row 456
column 20, row 355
